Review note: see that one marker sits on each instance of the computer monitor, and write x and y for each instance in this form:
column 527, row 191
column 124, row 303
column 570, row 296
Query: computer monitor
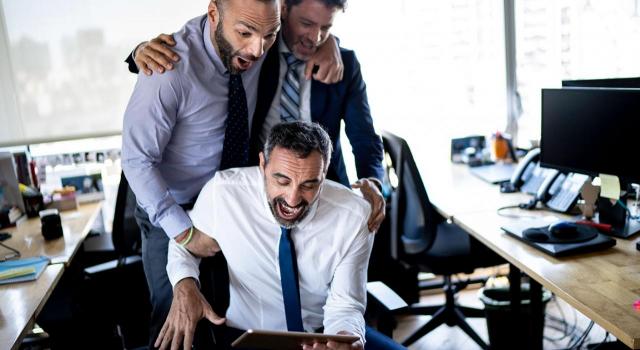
column 591, row 131
column 604, row 83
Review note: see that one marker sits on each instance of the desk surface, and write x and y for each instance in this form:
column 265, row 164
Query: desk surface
column 601, row 285
column 27, row 237
column 454, row 190
column 20, row 303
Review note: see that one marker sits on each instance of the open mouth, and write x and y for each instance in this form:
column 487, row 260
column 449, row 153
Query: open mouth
column 307, row 48
column 243, row 64
column 287, row 212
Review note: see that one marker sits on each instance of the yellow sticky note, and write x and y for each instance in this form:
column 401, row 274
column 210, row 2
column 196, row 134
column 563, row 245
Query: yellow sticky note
column 609, row 186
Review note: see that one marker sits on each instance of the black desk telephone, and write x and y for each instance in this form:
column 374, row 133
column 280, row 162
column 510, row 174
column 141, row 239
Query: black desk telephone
column 558, row 191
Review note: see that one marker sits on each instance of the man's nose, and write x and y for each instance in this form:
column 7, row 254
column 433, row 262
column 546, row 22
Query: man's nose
column 256, row 48
column 292, row 198
column 316, row 35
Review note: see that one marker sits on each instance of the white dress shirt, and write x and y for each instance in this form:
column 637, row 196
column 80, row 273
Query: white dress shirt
column 273, row 117
column 332, row 245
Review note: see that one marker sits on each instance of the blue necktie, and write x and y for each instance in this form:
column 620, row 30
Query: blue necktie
column 290, row 94
column 289, row 280
column 235, row 150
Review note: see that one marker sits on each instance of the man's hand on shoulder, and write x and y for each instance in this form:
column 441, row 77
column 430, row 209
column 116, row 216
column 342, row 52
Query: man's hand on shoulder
column 329, row 62
column 371, row 191
column 155, row 55
column 188, row 307
column 335, row 345
column 199, row 244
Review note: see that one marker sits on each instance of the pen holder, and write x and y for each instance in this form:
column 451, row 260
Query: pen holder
column 51, row 224
column 611, row 213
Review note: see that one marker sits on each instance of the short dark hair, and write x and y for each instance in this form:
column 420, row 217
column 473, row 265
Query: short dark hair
column 302, row 138
column 340, row 4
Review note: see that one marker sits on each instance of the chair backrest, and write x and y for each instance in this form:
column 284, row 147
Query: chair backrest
column 125, row 233
column 414, row 220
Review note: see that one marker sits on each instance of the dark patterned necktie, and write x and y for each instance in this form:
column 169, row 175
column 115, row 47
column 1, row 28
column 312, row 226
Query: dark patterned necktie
column 235, row 150
column 289, row 281
column 214, row 273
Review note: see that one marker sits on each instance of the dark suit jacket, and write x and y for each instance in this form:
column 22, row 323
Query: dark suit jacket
column 330, row 104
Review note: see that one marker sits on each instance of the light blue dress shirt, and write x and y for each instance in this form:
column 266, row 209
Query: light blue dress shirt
column 174, row 127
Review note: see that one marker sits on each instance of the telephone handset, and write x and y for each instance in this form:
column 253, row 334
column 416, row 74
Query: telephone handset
column 560, row 191
column 529, row 175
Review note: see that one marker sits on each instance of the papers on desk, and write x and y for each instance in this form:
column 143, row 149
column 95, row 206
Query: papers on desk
column 21, row 270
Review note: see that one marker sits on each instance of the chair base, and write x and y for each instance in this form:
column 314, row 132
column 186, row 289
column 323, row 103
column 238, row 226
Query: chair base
column 450, row 314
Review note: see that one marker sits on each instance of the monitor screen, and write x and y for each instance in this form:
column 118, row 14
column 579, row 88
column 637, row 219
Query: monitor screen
column 591, row 131
column 604, row 83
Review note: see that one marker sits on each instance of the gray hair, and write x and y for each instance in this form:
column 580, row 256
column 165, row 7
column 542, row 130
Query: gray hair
column 300, row 137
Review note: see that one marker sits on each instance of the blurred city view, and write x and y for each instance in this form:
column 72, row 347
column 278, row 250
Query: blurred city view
column 439, row 66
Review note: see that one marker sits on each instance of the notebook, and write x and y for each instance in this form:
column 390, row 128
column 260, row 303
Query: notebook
column 21, row 270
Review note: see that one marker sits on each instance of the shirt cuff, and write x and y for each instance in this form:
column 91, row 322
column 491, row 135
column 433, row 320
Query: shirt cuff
column 175, row 221
column 346, row 326
column 181, row 264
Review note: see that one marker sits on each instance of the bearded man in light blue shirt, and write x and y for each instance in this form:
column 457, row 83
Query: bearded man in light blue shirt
column 175, row 127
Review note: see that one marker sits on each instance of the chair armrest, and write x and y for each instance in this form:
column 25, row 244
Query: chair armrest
column 386, row 297
column 111, row 265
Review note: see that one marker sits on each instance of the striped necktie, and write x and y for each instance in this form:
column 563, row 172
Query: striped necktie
column 290, row 94
column 289, row 281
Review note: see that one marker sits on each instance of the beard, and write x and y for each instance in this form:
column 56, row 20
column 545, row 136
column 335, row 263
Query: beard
column 278, row 202
column 227, row 53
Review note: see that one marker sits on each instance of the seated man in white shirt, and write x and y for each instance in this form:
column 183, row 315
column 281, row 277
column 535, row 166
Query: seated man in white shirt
column 250, row 213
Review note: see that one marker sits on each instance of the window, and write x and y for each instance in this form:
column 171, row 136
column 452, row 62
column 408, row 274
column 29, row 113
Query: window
column 63, row 60
column 434, row 69
column 571, row 39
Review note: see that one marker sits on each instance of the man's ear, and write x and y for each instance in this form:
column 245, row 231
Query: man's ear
column 262, row 162
column 213, row 13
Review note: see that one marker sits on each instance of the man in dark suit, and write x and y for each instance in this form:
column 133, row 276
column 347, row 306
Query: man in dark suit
column 306, row 26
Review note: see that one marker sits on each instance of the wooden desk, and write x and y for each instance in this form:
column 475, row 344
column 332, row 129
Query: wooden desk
column 601, row 285
column 27, row 237
column 20, row 304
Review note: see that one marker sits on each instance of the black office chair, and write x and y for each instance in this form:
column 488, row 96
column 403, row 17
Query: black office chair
column 423, row 238
column 119, row 286
column 125, row 234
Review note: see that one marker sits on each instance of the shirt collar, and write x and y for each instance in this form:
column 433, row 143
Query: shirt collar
column 211, row 50
column 282, row 46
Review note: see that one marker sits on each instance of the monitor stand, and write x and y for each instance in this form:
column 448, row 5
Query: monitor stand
column 618, row 218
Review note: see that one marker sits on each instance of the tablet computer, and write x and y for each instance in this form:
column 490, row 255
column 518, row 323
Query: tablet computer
column 276, row 340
